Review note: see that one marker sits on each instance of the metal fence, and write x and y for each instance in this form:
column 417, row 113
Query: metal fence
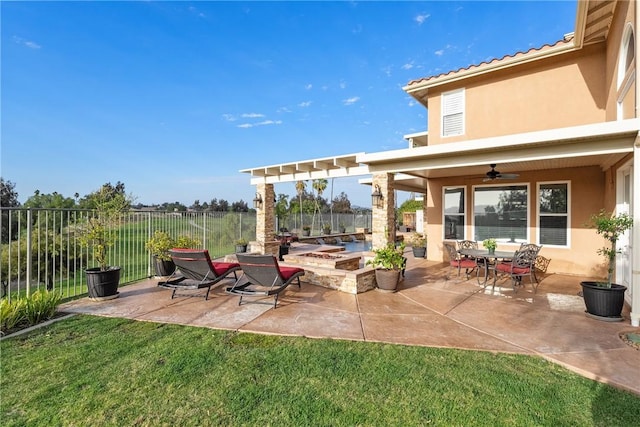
column 40, row 248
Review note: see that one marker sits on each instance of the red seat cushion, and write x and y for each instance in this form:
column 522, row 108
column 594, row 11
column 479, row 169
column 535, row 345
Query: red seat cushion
column 464, row 263
column 287, row 272
column 505, row 267
column 222, row 267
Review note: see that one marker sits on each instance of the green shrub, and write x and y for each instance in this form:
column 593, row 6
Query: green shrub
column 11, row 314
column 37, row 308
column 41, row 306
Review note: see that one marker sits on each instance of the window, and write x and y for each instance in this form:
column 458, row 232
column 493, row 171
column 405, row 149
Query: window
column 454, row 217
column 553, row 214
column 626, row 102
column 626, row 55
column 501, row 212
column 453, row 113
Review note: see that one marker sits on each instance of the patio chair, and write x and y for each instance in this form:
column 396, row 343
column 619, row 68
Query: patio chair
column 467, row 244
column 320, row 241
column 459, row 262
column 523, row 264
column 263, row 276
column 195, row 270
column 339, row 241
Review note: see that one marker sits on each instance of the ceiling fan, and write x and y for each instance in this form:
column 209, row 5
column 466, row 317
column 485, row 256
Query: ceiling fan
column 494, row 174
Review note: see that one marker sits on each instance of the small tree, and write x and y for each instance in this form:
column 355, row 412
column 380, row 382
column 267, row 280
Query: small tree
column 611, row 227
column 98, row 231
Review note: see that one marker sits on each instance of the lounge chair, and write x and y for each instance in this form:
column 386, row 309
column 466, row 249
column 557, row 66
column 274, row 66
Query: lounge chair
column 320, row 241
column 195, row 270
column 339, row 241
column 262, row 276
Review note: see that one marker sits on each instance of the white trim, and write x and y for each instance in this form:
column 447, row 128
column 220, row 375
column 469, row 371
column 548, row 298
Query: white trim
column 465, row 214
column 539, row 214
column 496, row 185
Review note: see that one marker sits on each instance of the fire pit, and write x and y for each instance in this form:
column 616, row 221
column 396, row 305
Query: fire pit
column 322, row 259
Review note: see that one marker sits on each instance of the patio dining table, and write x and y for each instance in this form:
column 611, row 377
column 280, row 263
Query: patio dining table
column 484, row 260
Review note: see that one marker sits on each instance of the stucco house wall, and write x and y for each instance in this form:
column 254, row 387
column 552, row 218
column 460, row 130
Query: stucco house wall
column 562, row 91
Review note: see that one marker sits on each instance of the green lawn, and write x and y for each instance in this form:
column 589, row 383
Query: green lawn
column 97, row 371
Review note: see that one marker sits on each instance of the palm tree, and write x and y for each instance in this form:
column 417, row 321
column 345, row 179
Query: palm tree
column 319, row 185
column 301, row 186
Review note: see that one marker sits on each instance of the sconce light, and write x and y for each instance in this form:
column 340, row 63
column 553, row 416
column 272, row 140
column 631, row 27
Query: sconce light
column 376, row 197
column 257, row 201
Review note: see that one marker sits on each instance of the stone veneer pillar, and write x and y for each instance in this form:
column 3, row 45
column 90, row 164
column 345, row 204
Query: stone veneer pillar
column 265, row 222
column 384, row 221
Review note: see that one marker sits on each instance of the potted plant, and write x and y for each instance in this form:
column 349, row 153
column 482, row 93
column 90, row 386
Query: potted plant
column 388, row 262
column 604, row 300
column 419, row 245
column 326, row 228
column 159, row 245
column 99, row 233
column 342, row 228
column 241, row 245
column 490, row 245
column 283, row 249
column 306, row 230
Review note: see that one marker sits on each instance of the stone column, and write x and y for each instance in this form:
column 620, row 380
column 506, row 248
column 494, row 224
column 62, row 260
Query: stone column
column 384, row 220
column 265, row 222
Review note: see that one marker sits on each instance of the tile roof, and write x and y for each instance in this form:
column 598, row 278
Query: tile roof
column 565, row 41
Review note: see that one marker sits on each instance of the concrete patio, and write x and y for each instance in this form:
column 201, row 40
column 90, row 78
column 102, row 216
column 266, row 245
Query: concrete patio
column 428, row 310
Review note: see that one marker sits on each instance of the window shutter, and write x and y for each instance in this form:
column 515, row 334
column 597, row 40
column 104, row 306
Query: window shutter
column 453, row 113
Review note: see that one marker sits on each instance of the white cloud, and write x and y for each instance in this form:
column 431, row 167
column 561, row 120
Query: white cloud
column 28, row 43
column 283, row 110
column 305, row 104
column 439, row 52
column 229, row 117
column 262, row 123
column 421, row 18
column 252, row 115
column 407, row 66
column 351, row 101
column 308, row 86
column 269, row 122
column 343, row 84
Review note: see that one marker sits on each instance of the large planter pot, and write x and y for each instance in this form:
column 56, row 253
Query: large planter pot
column 241, row 249
column 306, row 233
column 103, row 285
column 603, row 303
column 283, row 250
column 163, row 268
column 387, row 280
column 419, row 252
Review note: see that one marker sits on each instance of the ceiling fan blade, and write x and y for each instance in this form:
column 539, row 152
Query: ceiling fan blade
column 508, row 176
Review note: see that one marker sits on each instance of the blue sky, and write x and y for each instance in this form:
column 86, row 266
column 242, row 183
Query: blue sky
column 174, row 98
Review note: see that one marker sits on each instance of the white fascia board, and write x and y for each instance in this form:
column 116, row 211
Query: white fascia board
column 304, row 165
column 314, row 174
column 516, row 141
column 416, row 135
